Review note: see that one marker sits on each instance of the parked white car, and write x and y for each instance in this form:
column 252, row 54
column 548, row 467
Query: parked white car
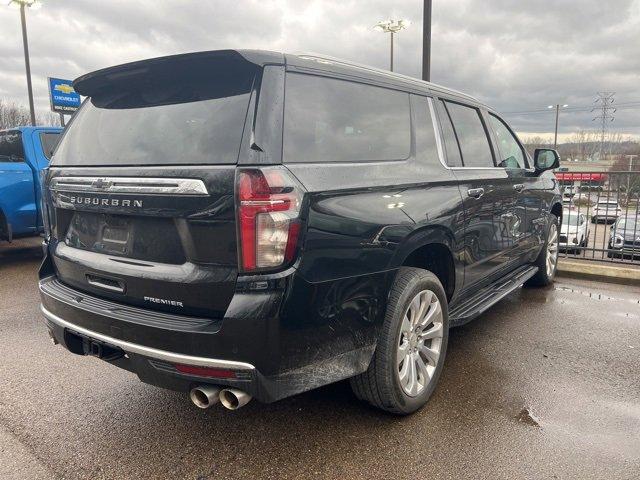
column 606, row 210
column 574, row 231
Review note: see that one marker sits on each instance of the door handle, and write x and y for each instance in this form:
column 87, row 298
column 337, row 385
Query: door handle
column 518, row 187
column 475, row 192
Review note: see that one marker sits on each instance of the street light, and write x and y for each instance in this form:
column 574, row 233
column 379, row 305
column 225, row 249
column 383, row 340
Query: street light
column 22, row 5
column 557, row 107
column 391, row 26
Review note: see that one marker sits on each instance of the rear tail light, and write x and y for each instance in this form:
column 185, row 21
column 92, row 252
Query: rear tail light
column 268, row 217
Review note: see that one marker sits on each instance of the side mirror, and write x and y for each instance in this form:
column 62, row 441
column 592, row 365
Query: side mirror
column 545, row 159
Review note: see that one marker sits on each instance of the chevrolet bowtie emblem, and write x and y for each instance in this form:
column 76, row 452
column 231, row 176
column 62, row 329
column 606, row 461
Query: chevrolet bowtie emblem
column 64, row 88
column 101, row 184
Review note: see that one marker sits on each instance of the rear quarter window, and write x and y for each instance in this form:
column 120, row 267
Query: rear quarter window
column 49, row 141
column 330, row 120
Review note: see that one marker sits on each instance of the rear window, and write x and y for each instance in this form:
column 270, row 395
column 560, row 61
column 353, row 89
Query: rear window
column 49, row 141
column 330, row 120
column 188, row 116
column 11, row 149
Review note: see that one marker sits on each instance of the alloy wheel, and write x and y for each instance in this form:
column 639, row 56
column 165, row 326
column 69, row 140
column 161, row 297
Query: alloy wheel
column 419, row 342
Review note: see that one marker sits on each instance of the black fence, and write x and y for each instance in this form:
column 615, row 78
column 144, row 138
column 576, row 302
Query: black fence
column 600, row 220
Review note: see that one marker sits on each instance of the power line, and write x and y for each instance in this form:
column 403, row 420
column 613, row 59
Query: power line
column 586, row 108
column 568, row 110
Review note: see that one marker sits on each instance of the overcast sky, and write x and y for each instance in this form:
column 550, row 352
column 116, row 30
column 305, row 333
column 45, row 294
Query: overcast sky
column 515, row 55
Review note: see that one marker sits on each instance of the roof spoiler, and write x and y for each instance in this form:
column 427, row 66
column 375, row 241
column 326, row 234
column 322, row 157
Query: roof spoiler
column 127, row 74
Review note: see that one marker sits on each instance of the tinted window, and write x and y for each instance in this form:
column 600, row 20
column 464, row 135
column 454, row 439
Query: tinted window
column 426, row 148
column 11, row 149
column 511, row 154
column 329, row 120
column 450, row 143
column 472, row 137
column 49, row 141
column 193, row 115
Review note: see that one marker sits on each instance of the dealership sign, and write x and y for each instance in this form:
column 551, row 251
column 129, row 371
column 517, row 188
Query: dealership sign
column 62, row 96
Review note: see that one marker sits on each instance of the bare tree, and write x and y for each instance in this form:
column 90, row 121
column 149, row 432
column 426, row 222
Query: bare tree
column 13, row 115
column 531, row 143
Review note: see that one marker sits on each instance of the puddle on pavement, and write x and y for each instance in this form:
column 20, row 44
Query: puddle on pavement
column 597, row 296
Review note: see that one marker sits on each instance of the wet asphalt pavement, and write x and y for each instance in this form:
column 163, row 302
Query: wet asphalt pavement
column 544, row 385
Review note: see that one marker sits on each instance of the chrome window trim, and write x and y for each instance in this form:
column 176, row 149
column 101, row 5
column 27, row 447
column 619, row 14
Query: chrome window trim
column 436, row 130
column 164, row 355
column 146, row 185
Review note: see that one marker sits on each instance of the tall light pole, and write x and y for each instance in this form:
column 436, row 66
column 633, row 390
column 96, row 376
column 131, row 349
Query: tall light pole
column 22, row 5
column 557, row 107
column 426, row 41
column 391, row 26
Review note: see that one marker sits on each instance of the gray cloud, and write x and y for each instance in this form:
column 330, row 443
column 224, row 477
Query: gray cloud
column 514, row 55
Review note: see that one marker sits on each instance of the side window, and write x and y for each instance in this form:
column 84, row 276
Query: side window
column 472, row 137
column 454, row 158
column 11, row 149
column 511, row 154
column 49, row 141
column 330, row 120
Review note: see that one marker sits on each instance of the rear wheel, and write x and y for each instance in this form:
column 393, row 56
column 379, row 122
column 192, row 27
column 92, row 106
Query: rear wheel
column 547, row 261
column 412, row 345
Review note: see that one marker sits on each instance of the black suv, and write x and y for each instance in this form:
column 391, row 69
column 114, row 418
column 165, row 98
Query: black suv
column 240, row 224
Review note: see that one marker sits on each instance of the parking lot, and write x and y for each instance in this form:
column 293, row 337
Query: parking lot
column 544, row 385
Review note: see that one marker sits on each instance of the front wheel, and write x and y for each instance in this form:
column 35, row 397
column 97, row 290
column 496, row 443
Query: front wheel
column 412, row 345
column 547, row 261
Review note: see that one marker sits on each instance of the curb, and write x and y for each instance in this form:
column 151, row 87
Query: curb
column 598, row 271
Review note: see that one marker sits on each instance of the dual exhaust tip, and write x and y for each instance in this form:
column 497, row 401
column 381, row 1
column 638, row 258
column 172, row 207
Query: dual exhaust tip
column 205, row 396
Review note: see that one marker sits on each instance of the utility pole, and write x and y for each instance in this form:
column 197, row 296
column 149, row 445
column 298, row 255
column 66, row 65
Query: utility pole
column 555, row 136
column 426, row 41
column 604, row 104
column 25, row 43
column 391, row 56
column 23, row 4
column 391, row 26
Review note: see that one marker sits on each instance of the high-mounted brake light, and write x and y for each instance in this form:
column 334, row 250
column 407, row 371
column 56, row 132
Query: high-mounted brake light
column 268, row 216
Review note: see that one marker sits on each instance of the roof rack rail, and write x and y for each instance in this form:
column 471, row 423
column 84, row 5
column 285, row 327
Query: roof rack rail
column 417, row 81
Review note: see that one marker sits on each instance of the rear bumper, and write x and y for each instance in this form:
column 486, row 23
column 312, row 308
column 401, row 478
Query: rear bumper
column 154, row 353
column 271, row 354
column 625, row 251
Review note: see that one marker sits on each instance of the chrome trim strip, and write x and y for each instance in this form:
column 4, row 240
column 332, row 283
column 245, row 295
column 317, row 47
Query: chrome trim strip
column 148, row 351
column 436, row 131
column 166, row 186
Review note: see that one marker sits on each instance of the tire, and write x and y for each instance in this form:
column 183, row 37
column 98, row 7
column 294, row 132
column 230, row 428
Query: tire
column 382, row 385
column 544, row 276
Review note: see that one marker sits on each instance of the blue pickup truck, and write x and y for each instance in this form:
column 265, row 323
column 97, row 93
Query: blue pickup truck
column 24, row 152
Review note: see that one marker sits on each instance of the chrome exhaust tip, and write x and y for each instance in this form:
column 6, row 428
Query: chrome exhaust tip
column 233, row 399
column 204, row 396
